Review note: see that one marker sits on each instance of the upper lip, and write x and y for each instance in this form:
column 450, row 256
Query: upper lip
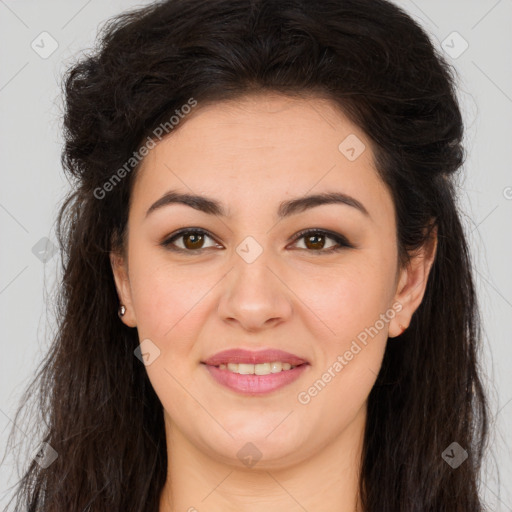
column 239, row 355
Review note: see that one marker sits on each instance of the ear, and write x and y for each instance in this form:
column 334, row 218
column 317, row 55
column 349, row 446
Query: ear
column 120, row 271
column 412, row 284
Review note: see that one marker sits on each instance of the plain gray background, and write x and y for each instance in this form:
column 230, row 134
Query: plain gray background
column 476, row 37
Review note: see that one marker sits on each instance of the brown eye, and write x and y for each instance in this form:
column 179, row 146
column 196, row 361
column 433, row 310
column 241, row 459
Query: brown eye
column 315, row 241
column 192, row 240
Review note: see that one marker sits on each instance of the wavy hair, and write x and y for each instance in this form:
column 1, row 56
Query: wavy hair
column 100, row 412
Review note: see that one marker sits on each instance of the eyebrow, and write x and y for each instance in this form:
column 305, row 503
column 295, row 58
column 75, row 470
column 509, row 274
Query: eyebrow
column 286, row 208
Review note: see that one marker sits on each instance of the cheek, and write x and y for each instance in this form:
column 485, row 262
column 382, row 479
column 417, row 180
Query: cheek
column 347, row 298
column 352, row 307
column 166, row 296
column 170, row 313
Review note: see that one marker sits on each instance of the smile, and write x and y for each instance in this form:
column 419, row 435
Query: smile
column 255, row 379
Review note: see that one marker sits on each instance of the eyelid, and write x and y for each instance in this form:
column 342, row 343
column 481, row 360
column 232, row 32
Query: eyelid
column 337, row 237
column 167, row 242
column 341, row 241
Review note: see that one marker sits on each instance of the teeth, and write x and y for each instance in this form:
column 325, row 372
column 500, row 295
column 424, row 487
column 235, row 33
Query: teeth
column 256, row 369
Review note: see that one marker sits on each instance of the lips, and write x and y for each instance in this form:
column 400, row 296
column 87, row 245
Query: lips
column 251, row 357
column 256, row 385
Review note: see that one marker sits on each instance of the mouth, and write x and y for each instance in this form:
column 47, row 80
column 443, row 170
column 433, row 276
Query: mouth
column 250, row 357
column 255, row 373
column 266, row 368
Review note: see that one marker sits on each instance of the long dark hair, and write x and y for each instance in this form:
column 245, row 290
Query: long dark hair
column 370, row 58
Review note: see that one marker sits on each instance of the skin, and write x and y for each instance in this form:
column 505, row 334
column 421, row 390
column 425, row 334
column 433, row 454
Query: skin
column 251, row 154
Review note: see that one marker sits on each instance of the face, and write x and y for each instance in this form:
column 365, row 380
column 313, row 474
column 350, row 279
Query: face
column 248, row 278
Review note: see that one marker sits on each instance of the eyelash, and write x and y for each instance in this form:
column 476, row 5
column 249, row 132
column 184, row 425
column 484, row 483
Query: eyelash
column 339, row 239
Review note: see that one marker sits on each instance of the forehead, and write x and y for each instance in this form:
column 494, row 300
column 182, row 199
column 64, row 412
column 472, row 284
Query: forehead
column 264, row 146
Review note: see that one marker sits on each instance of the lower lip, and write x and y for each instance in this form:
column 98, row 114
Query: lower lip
column 255, row 384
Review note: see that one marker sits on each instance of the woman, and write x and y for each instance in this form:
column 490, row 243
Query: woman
column 267, row 299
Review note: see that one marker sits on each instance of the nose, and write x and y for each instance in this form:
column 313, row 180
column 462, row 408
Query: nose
column 255, row 297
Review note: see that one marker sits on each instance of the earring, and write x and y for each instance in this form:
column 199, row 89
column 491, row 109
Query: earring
column 122, row 311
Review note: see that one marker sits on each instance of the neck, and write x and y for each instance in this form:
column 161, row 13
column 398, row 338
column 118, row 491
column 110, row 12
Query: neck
column 201, row 481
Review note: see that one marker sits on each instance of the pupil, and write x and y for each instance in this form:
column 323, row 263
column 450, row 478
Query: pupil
column 195, row 239
column 315, row 244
